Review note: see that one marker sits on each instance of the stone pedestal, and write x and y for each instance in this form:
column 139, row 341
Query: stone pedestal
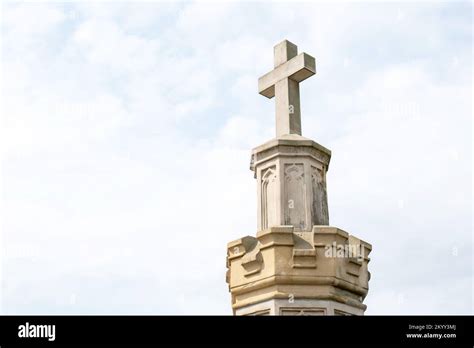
column 297, row 264
column 283, row 272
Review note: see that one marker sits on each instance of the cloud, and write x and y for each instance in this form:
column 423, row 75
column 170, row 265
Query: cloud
column 126, row 141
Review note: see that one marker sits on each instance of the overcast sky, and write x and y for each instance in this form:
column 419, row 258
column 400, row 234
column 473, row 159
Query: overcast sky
column 126, row 139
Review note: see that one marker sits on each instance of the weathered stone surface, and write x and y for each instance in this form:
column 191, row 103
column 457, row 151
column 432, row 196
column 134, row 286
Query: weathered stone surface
column 283, row 84
column 291, row 183
column 314, row 266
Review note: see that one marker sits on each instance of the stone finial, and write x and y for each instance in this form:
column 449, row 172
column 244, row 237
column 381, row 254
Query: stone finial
column 283, row 83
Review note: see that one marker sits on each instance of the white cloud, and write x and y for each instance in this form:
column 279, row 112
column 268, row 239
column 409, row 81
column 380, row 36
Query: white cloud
column 127, row 132
column 27, row 20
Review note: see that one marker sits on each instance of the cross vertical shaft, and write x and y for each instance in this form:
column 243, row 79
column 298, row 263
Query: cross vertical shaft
column 287, row 108
column 287, row 93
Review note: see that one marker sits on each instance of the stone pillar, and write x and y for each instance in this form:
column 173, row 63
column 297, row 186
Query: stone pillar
column 297, row 264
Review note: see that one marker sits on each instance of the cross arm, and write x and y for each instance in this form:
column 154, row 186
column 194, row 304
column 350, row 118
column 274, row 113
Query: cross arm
column 298, row 69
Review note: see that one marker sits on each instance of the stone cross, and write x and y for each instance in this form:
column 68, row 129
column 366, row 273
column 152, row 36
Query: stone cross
column 283, row 83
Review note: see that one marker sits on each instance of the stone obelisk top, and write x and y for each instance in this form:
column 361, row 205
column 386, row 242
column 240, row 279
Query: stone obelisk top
column 283, row 83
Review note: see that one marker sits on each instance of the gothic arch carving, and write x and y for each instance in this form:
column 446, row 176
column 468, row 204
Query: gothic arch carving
column 269, row 198
column 295, row 196
column 319, row 206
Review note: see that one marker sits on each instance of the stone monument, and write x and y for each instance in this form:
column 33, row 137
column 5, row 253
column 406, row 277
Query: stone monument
column 297, row 264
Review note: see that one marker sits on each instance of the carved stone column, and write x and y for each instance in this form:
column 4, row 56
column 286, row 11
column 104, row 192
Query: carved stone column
column 291, row 183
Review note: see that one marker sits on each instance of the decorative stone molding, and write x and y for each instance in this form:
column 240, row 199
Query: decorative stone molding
column 304, row 252
column 297, row 264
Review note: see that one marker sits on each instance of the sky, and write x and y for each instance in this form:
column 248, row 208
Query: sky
column 126, row 134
